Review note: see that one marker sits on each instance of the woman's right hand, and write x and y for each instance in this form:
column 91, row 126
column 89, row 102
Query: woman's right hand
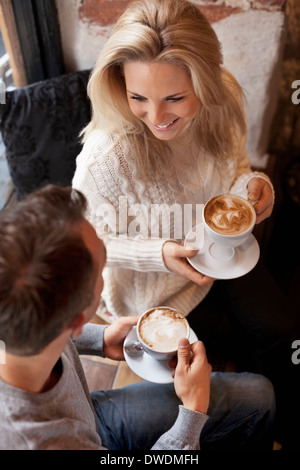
column 175, row 255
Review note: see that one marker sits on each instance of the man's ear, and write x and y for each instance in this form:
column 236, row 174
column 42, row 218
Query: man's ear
column 77, row 324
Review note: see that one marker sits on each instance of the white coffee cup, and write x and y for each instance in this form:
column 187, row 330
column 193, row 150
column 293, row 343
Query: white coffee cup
column 228, row 221
column 159, row 330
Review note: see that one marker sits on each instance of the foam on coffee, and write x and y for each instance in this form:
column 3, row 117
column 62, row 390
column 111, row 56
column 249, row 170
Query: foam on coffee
column 161, row 329
column 228, row 214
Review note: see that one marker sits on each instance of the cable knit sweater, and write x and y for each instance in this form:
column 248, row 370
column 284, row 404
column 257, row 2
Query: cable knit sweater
column 121, row 210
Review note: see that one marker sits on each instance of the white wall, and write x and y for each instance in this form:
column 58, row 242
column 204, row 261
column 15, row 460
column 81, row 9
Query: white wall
column 252, row 47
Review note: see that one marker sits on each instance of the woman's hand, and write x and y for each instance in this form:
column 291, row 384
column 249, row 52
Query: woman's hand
column 114, row 336
column 259, row 190
column 175, row 255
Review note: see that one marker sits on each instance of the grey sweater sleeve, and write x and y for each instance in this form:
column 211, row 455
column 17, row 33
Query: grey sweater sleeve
column 91, row 340
column 185, row 433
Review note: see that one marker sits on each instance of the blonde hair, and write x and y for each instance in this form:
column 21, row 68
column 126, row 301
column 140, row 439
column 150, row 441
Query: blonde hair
column 176, row 32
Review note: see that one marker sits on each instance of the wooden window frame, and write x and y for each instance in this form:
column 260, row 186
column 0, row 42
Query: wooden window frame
column 31, row 35
column 11, row 42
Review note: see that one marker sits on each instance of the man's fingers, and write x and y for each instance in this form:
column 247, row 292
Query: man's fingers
column 183, row 354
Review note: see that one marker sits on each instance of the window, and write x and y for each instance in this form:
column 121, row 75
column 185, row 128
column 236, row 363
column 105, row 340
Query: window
column 5, row 69
column 31, row 36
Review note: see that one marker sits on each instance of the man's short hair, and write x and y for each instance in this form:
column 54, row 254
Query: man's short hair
column 47, row 273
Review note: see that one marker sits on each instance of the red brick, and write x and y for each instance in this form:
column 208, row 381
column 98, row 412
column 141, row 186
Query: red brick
column 265, row 4
column 101, row 12
column 218, row 12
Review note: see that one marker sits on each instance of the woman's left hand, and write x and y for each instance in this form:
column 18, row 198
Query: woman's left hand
column 259, row 190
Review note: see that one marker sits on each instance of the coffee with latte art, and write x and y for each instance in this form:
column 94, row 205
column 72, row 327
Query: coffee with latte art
column 229, row 214
column 161, row 329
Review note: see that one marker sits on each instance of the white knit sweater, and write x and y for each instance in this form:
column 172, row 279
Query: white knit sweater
column 120, row 204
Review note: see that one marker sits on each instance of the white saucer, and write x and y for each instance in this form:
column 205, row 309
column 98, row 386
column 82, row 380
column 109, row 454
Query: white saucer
column 245, row 257
column 146, row 366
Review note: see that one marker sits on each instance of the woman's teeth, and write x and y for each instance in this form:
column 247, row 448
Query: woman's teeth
column 165, row 125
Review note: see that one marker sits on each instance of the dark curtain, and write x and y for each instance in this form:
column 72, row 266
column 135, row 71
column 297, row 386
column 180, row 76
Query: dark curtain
column 39, row 35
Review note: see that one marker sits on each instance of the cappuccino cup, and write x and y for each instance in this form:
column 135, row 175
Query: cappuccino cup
column 159, row 330
column 228, row 221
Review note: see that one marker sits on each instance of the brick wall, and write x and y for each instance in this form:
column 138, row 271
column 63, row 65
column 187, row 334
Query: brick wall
column 105, row 12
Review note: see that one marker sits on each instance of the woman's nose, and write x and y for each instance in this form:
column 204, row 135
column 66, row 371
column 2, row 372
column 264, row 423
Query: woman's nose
column 157, row 115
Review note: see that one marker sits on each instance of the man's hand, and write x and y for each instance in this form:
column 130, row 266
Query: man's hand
column 192, row 376
column 114, row 336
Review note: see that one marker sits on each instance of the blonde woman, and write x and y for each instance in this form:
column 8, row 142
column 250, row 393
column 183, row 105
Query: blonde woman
column 167, row 128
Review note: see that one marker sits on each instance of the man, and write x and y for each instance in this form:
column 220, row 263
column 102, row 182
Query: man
column 51, row 263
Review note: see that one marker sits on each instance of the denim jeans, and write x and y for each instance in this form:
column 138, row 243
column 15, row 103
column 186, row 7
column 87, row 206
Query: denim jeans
column 241, row 413
column 250, row 321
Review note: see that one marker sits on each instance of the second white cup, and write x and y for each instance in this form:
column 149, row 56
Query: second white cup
column 159, row 331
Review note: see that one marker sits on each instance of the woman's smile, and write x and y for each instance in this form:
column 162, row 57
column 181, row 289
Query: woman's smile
column 166, row 127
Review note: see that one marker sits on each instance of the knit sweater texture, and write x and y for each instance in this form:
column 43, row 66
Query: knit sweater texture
column 133, row 216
